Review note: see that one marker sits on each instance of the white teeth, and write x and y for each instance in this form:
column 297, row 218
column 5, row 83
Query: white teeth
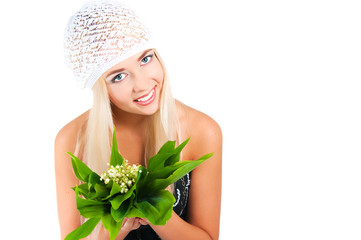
column 146, row 98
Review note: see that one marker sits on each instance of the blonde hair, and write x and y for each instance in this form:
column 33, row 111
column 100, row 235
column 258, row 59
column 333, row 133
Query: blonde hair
column 94, row 142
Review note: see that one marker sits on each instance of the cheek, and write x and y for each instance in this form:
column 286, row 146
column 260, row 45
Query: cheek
column 157, row 72
column 118, row 95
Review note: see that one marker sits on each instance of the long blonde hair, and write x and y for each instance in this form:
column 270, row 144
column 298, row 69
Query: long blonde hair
column 94, row 141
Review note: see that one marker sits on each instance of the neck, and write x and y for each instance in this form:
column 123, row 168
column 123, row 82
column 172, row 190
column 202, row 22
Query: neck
column 129, row 121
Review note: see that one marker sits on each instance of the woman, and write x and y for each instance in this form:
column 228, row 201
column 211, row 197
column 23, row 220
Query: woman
column 110, row 51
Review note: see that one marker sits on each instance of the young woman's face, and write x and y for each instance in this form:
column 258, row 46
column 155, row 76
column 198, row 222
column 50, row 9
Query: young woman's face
column 134, row 85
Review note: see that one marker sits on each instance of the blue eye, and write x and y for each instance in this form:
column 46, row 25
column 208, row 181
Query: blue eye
column 147, row 59
column 119, row 77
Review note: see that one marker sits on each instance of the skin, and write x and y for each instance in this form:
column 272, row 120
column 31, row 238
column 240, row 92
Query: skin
column 127, row 81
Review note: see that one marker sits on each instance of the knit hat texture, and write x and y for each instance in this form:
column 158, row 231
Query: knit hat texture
column 100, row 35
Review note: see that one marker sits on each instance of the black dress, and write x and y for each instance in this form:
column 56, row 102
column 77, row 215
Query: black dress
column 179, row 207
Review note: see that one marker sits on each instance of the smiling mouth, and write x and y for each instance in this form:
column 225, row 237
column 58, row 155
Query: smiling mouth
column 146, row 99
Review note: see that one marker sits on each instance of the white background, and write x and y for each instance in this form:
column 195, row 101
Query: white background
column 282, row 78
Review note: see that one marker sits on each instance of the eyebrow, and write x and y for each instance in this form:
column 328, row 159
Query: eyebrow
column 144, row 53
column 122, row 69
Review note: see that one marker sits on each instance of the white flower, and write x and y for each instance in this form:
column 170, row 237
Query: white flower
column 125, row 175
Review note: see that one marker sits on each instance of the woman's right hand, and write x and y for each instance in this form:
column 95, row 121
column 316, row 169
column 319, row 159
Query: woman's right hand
column 130, row 224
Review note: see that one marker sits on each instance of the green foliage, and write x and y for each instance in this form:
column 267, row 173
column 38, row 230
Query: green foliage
column 100, row 201
column 84, row 230
column 157, row 207
column 115, row 158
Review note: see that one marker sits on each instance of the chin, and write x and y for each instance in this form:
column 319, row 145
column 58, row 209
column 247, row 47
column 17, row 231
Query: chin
column 150, row 111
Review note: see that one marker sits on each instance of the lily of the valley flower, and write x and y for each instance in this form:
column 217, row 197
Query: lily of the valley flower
column 125, row 175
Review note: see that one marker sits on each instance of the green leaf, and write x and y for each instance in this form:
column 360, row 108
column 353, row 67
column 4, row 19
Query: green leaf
column 94, row 179
column 101, row 192
column 175, row 158
column 83, row 230
column 142, row 174
column 177, row 174
column 161, row 179
column 118, row 200
column 115, row 157
column 134, row 212
column 169, row 146
column 115, row 189
column 166, row 171
column 167, row 155
column 119, row 213
column 157, row 161
column 82, row 189
column 91, row 208
column 111, row 225
column 157, row 208
column 81, row 170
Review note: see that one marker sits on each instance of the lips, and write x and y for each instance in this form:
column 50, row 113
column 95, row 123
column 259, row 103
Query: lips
column 146, row 99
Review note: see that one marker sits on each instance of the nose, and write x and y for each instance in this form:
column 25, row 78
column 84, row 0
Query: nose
column 140, row 81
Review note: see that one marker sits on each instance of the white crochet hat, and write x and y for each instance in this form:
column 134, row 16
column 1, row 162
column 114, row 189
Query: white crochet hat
column 100, row 35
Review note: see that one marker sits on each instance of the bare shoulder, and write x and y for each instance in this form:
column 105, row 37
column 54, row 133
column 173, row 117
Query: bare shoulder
column 204, row 131
column 65, row 141
column 67, row 136
column 197, row 122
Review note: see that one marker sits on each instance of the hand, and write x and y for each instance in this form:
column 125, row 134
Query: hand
column 144, row 221
column 130, row 224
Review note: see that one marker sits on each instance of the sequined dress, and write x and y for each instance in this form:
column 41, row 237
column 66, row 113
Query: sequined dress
column 179, row 207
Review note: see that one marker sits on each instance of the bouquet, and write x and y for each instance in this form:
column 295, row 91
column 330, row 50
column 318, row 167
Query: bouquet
column 129, row 190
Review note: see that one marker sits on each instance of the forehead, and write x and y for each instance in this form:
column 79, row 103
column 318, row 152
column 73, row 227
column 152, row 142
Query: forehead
column 134, row 58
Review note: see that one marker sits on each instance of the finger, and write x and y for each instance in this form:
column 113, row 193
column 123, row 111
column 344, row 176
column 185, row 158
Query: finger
column 124, row 221
column 128, row 223
column 131, row 224
column 143, row 221
column 136, row 224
